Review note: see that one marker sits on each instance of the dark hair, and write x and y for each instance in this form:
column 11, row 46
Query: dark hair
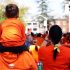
column 36, row 48
column 55, row 34
column 11, row 11
column 39, row 35
column 32, row 34
column 68, row 36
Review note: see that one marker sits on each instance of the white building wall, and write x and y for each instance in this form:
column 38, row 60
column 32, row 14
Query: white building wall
column 33, row 26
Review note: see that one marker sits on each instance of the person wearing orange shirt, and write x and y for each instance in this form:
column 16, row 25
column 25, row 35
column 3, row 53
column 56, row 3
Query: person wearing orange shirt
column 40, row 39
column 33, row 49
column 67, row 42
column 55, row 56
column 14, row 54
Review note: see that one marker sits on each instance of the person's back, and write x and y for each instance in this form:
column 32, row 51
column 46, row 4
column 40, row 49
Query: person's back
column 12, row 29
column 10, row 61
column 12, row 33
column 62, row 61
column 55, row 56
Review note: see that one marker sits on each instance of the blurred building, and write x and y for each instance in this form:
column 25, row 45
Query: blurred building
column 38, row 26
column 33, row 26
column 42, row 25
column 61, row 22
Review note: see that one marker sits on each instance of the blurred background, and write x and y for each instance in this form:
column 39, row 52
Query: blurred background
column 40, row 15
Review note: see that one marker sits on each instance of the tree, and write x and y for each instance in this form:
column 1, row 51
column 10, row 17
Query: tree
column 42, row 7
column 2, row 16
column 22, row 12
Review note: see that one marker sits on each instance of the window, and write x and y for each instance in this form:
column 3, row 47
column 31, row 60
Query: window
column 35, row 29
column 34, row 23
column 29, row 23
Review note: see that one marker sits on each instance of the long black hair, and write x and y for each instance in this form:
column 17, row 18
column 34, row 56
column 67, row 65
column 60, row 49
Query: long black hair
column 55, row 34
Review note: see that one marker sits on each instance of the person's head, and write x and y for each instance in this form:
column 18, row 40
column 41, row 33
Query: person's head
column 39, row 35
column 68, row 36
column 55, row 34
column 34, row 42
column 11, row 11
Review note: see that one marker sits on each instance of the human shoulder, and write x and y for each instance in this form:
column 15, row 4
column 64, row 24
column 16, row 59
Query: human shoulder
column 65, row 49
column 42, row 49
column 20, row 21
column 45, row 47
column 26, row 55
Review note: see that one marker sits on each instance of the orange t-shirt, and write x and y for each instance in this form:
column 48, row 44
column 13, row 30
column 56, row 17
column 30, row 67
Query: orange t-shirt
column 13, row 33
column 62, row 61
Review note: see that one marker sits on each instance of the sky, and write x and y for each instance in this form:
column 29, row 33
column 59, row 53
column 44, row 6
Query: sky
column 31, row 5
column 54, row 5
column 56, row 8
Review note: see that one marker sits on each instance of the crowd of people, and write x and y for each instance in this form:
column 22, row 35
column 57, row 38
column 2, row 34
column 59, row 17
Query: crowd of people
column 20, row 51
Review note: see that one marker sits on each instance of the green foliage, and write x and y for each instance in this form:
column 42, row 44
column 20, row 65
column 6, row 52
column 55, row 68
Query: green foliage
column 22, row 12
column 2, row 16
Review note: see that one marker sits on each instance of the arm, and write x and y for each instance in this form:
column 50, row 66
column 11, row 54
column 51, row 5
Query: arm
column 22, row 27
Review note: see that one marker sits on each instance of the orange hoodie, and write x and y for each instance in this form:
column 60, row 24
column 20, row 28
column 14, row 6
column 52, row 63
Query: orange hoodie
column 13, row 33
column 23, row 61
